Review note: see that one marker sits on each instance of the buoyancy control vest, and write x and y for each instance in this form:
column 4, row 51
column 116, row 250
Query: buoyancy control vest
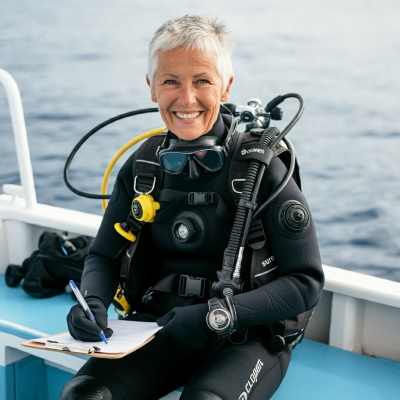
column 177, row 289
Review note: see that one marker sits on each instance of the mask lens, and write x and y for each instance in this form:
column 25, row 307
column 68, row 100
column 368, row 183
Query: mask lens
column 173, row 162
column 211, row 160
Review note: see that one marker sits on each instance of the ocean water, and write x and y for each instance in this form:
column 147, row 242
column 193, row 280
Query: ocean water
column 80, row 63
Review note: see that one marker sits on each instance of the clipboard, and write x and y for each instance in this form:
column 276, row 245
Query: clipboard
column 128, row 337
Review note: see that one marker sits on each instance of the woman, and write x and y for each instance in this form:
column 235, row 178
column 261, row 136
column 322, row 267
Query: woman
column 189, row 75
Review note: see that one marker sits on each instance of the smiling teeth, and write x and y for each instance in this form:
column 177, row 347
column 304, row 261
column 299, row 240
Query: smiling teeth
column 187, row 116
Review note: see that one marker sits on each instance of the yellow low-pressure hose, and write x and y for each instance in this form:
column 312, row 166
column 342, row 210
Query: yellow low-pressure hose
column 116, row 157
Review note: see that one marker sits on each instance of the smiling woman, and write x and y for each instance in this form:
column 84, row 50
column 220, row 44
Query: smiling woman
column 232, row 322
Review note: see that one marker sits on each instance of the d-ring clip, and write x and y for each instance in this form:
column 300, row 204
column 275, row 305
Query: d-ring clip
column 233, row 184
column 137, row 191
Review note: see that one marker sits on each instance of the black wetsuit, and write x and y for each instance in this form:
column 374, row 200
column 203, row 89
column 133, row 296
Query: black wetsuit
column 247, row 371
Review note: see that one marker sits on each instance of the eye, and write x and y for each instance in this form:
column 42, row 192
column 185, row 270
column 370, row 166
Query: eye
column 170, row 82
column 202, row 81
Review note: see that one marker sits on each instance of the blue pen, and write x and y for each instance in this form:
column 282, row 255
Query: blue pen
column 85, row 306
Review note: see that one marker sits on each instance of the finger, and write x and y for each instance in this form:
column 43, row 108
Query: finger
column 162, row 321
column 108, row 332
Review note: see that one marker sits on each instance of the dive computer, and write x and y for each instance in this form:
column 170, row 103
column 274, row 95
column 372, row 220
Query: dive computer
column 220, row 319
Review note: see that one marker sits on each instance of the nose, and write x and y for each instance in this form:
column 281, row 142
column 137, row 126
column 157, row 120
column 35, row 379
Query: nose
column 187, row 95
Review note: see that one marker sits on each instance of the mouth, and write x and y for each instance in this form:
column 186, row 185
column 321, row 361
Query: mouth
column 186, row 115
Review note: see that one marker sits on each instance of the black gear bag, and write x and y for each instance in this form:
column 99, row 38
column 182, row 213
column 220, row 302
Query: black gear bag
column 47, row 271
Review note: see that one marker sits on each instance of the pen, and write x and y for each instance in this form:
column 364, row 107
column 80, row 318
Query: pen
column 86, row 308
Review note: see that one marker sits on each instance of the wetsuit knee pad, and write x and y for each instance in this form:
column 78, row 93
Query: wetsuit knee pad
column 201, row 395
column 85, row 388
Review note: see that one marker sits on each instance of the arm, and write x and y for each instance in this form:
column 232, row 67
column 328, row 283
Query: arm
column 301, row 279
column 102, row 266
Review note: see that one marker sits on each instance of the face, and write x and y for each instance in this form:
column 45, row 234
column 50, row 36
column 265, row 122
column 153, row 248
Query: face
column 188, row 90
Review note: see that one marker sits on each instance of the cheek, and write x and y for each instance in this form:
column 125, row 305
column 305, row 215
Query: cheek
column 166, row 117
column 163, row 96
column 213, row 99
column 212, row 103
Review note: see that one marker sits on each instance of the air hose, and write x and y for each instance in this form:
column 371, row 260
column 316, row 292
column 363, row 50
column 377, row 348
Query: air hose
column 116, row 157
column 85, row 138
column 284, row 182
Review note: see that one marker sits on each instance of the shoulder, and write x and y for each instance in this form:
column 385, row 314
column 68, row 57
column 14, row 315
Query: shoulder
column 146, row 151
column 152, row 143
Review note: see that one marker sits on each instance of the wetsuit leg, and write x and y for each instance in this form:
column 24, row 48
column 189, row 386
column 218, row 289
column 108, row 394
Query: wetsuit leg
column 85, row 387
column 249, row 371
column 147, row 374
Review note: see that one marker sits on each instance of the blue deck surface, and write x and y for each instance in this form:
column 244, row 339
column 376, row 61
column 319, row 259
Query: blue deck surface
column 44, row 315
column 317, row 371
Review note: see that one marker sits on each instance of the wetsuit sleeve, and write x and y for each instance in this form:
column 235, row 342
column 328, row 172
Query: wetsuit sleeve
column 301, row 277
column 102, row 266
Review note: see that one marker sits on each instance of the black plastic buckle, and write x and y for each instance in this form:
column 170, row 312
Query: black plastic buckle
column 191, row 286
column 200, row 198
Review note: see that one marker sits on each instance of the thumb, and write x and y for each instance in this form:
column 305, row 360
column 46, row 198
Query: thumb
column 162, row 321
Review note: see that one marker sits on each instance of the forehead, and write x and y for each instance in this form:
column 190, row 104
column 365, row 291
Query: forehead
column 186, row 61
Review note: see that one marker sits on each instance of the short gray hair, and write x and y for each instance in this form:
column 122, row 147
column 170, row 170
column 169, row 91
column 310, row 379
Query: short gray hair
column 193, row 32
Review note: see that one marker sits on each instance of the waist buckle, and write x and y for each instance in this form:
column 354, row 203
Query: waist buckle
column 191, row 286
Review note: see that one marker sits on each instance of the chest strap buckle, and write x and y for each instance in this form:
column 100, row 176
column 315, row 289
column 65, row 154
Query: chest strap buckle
column 201, row 198
column 191, row 286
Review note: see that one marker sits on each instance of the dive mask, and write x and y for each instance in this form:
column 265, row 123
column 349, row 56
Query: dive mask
column 204, row 151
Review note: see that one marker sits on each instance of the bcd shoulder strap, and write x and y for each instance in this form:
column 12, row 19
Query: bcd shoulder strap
column 239, row 166
column 146, row 170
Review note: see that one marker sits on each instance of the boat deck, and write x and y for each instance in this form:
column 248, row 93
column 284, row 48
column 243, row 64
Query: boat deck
column 317, row 371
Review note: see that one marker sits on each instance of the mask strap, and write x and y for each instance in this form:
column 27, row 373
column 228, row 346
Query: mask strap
column 228, row 140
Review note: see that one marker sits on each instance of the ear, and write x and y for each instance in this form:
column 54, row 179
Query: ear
column 153, row 95
column 225, row 94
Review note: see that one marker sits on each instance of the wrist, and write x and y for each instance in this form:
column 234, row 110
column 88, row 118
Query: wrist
column 221, row 317
column 95, row 300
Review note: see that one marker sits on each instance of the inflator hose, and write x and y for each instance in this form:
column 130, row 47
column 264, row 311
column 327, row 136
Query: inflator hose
column 255, row 172
column 243, row 217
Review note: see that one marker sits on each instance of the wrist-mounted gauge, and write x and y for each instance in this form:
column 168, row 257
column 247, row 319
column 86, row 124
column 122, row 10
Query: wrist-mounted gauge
column 221, row 319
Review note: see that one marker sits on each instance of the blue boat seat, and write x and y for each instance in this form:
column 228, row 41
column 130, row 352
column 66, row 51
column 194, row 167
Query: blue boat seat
column 317, row 371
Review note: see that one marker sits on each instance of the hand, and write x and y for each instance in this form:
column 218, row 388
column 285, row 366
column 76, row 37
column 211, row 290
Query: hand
column 185, row 328
column 81, row 328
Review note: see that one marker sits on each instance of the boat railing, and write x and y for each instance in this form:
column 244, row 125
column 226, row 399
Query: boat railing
column 27, row 188
column 357, row 312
